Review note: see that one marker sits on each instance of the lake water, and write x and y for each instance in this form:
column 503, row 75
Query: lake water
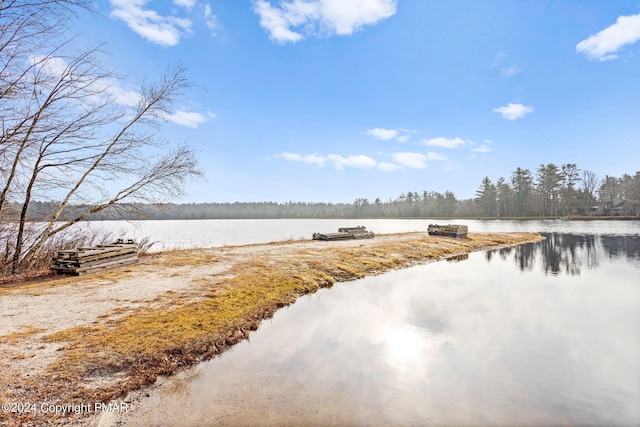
column 206, row 233
column 541, row 334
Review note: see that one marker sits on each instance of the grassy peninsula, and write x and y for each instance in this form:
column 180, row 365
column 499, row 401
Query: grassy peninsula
column 96, row 338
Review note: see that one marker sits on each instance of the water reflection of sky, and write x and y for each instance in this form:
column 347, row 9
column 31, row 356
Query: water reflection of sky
column 489, row 340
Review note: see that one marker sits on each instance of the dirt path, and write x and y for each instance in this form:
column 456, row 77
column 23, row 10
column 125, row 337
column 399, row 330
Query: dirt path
column 81, row 340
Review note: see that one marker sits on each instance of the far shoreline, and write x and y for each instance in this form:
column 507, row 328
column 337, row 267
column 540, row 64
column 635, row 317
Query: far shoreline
column 421, row 218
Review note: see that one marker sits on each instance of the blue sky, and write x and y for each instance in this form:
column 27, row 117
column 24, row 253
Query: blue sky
column 332, row 100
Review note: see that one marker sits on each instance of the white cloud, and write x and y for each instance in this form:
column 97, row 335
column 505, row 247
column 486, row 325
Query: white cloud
column 339, row 162
column 110, row 90
column 445, row 142
column 50, row 65
column 186, row 118
column 603, row 45
column 163, row 30
column 400, row 135
column 292, row 20
column 276, row 22
column 358, row 161
column 401, row 160
column 513, row 111
column 345, row 17
column 123, row 96
column 188, row 4
column 410, row 160
column 99, row 88
column 211, row 20
column 383, row 134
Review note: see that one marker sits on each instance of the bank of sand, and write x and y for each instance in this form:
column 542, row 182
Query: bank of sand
column 81, row 340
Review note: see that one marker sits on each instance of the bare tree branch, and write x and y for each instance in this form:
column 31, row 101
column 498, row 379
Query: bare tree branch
column 66, row 138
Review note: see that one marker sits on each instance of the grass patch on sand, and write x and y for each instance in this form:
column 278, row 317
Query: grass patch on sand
column 134, row 349
column 18, row 336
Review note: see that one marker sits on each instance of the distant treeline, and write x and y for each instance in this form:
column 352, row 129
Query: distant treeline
column 404, row 206
column 552, row 191
column 558, row 191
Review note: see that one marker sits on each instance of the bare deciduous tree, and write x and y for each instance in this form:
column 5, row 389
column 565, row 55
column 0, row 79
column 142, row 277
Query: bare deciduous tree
column 27, row 28
column 66, row 136
column 590, row 183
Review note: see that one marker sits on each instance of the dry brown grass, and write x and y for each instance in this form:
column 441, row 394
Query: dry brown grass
column 18, row 336
column 107, row 360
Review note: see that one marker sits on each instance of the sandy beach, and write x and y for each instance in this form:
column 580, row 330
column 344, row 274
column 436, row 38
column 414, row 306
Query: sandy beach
column 66, row 342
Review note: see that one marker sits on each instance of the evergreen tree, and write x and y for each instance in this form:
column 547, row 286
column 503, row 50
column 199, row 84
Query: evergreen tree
column 570, row 177
column 486, row 197
column 548, row 187
column 522, row 184
column 505, row 198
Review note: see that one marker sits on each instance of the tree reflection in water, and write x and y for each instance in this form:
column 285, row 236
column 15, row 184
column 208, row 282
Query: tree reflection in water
column 628, row 246
column 569, row 253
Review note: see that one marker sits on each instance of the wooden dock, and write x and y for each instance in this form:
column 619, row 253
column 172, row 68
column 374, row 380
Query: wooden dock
column 82, row 261
column 449, row 230
column 346, row 233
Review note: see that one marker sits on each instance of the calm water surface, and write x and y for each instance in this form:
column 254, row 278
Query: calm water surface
column 207, row 233
column 541, row 334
